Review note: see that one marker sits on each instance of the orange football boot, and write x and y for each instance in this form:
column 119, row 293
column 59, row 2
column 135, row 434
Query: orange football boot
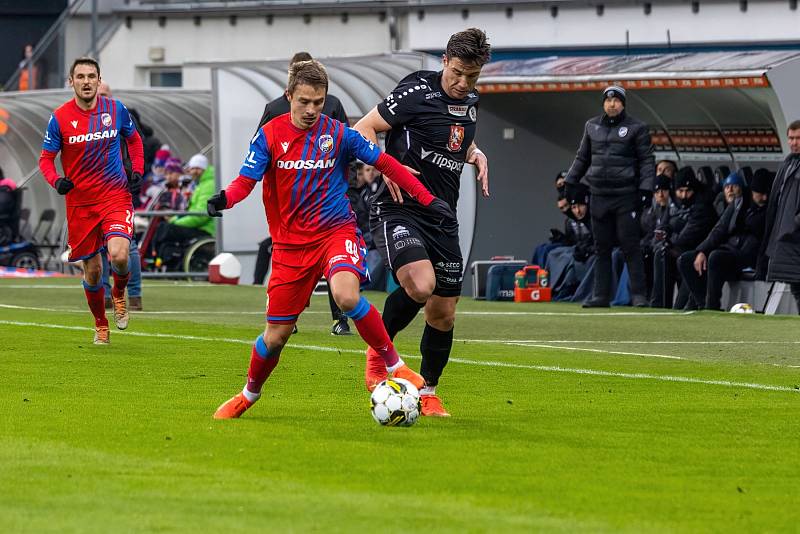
column 405, row 372
column 375, row 372
column 120, row 312
column 233, row 408
column 101, row 335
column 432, row 406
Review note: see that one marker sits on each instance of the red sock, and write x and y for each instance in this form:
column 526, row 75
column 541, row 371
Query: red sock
column 260, row 367
column 371, row 329
column 95, row 296
column 120, row 283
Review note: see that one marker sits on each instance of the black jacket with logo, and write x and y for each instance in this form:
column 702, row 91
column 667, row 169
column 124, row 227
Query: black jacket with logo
column 615, row 156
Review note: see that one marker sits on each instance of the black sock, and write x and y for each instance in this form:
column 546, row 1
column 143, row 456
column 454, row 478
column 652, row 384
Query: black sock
column 435, row 347
column 398, row 311
column 336, row 313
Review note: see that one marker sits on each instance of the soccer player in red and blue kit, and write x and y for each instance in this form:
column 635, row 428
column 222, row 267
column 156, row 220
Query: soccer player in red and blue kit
column 302, row 159
column 86, row 130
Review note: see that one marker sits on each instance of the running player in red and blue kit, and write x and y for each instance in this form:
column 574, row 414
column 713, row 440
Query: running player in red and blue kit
column 302, row 159
column 86, row 130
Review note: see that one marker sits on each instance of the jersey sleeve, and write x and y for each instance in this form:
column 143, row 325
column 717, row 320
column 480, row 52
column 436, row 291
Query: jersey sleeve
column 360, row 147
column 127, row 128
column 258, row 157
column 52, row 136
column 402, row 104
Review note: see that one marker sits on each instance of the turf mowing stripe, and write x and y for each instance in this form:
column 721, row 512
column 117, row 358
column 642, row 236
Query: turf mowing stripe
column 213, row 312
column 545, row 346
column 545, row 368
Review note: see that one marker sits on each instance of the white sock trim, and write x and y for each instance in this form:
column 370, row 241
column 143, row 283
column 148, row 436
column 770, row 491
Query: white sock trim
column 249, row 395
column 428, row 390
column 396, row 366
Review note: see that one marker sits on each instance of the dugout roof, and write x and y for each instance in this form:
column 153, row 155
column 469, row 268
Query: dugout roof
column 724, row 105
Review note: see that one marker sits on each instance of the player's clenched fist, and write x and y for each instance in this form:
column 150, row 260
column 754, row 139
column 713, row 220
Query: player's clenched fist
column 135, row 183
column 216, row 204
column 442, row 208
column 64, row 185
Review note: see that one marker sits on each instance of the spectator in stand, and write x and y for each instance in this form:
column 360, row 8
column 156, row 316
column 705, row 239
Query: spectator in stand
column 761, row 186
column 29, row 75
column 779, row 258
column 668, row 168
column 657, row 214
column 686, row 228
column 171, row 196
column 569, row 263
column 9, row 210
column 732, row 187
column 364, row 186
column 185, row 227
column 731, row 246
column 157, row 177
column 7, row 182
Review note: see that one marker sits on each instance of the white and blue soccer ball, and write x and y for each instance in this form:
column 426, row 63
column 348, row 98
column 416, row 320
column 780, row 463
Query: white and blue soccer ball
column 395, row 402
column 742, row 307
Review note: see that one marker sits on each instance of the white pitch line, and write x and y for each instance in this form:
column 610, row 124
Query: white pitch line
column 577, row 313
column 544, row 368
column 545, row 346
column 631, row 342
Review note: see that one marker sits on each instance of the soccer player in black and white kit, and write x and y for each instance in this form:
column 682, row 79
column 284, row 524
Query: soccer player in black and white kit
column 430, row 118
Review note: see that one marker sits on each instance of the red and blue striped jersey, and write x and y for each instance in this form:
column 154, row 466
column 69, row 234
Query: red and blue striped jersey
column 89, row 142
column 304, row 176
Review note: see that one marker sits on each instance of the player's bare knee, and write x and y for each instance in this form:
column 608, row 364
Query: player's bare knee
column 346, row 300
column 420, row 290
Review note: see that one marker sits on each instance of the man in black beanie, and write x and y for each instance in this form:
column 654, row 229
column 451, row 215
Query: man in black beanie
column 616, row 160
column 761, row 185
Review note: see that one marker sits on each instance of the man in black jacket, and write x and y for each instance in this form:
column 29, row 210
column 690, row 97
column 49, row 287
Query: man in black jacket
column 686, row 228
column 616, row 160
column 732, row 245
column 655, row 216
column 779, row 258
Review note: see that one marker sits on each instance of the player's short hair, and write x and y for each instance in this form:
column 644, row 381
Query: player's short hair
column 470, row 46
column 300, row 56
column 794, row 125
column 85, row 61
column 309, row 72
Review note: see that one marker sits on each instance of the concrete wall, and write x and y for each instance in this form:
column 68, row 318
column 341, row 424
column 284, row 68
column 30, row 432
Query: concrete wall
column 522, row 205
column 125, row 58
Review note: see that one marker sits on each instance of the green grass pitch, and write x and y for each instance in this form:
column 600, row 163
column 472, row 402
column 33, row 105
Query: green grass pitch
column 563, row 421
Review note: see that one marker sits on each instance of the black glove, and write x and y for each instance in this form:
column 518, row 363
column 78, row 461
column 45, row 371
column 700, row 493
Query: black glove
column 216, row 204
column 570, row 190
column 64, row 185
column 442, row 208
column 135, row 183
column 556, row 235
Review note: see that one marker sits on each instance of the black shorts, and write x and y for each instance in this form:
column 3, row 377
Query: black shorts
column 403, row 239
